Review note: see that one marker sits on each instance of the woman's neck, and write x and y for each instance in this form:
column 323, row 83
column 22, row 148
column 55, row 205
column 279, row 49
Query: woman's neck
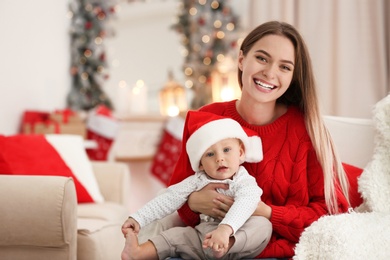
column 260, row 113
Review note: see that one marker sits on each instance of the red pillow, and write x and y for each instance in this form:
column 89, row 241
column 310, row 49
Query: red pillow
column 34, row 155
column 353, row 173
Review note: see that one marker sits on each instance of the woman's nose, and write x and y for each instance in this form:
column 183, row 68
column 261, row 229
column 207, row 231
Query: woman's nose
column 268, row 72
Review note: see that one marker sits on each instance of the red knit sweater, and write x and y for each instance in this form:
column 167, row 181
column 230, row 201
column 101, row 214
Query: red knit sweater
column 289, row 174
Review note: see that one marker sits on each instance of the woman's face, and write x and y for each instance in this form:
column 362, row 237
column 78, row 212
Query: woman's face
column 267, row 69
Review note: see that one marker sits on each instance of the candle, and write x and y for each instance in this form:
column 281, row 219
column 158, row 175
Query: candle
column 138, row 99
column 122, row 104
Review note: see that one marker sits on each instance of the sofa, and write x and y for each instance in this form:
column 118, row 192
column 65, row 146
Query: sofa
column 43, row 217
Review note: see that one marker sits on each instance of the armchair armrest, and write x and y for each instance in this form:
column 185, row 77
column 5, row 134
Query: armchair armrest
column 114, row 181
column 37, row 212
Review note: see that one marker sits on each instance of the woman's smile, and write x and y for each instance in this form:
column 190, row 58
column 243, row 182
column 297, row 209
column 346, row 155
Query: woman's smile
column 263, row 85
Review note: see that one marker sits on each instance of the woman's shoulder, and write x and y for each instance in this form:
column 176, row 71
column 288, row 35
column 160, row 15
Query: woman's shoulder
column 294, row 115
column 295, row 123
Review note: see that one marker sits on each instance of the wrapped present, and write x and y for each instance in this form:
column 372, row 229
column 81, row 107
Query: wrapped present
column 70, row 128
column 37, row 122
column 34, row 120
column 65, row 116
column 168, row 150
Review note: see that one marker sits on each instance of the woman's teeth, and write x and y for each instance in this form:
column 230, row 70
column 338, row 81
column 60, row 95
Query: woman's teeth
column 264, row 85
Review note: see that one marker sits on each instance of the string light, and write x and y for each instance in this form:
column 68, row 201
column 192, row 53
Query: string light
column 208, row 35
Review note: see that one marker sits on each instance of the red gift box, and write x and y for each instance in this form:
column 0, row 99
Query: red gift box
column 31, row 119
column 66, row 116
column 38, row 122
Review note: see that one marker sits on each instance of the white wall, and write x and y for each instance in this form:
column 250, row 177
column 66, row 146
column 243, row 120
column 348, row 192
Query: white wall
column 34, row 58
column 144, row 48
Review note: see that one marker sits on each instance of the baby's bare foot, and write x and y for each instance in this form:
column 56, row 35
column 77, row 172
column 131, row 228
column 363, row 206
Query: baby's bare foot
column 131, row 246
column 220, row 252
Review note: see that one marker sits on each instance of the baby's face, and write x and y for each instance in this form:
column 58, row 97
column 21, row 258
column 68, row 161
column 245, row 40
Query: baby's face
column 222, row 160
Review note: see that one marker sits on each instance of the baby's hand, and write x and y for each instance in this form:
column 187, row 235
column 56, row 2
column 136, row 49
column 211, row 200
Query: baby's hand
column 218, row 240
column 132, row 224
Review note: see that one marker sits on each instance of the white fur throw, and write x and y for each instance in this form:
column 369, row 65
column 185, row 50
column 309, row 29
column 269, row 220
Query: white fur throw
column 374, row 183
column 365, row 233
column 346, row 236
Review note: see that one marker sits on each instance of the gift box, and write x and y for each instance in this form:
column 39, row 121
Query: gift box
column 38, row 122
column 66, row 116
column 32, row 120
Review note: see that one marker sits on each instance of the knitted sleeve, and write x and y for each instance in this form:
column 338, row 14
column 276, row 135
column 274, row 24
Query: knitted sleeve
column 304, row 204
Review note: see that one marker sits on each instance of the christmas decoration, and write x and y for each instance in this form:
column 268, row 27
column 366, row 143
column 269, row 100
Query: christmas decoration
column 168, row 150
column 102, row 128
column 88, row 30
column 209, row 35
column 172, row 97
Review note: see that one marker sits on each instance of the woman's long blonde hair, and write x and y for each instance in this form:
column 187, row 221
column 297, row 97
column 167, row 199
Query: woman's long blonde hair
column 302, row 93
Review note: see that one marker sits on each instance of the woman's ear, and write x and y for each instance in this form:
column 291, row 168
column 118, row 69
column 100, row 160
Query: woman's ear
column 240, row 60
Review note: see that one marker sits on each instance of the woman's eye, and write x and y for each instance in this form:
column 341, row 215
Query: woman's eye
column 287, row 68
column 261, row 58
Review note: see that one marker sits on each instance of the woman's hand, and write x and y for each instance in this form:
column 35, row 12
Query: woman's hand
column 222, row 205
column 208, row 201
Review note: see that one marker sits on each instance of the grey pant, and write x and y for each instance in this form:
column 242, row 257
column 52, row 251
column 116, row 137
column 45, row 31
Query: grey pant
column 172, row 239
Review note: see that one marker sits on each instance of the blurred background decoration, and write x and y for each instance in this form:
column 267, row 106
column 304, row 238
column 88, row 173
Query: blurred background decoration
column 173, row 99
column 209, row 34
column 224, row 81
column 89, row 28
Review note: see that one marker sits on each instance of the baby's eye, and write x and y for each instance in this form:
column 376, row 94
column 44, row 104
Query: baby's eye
column 209, row 154
column 227, row 149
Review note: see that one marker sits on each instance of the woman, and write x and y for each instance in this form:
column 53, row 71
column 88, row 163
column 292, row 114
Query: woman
column 301, row 176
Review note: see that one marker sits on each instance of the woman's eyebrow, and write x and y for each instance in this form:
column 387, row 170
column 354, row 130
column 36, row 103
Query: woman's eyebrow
column 269, row 56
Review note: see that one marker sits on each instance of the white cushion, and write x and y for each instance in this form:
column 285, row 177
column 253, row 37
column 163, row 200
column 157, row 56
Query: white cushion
column 353, row 137
column 72, row 151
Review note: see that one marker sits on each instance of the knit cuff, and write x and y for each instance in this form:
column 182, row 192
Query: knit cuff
column 189, row 217
column 276, row 215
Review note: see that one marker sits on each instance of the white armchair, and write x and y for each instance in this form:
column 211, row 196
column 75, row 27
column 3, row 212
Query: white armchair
column 41, row 218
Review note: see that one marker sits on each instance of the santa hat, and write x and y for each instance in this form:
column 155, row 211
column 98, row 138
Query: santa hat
column 206, row 129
